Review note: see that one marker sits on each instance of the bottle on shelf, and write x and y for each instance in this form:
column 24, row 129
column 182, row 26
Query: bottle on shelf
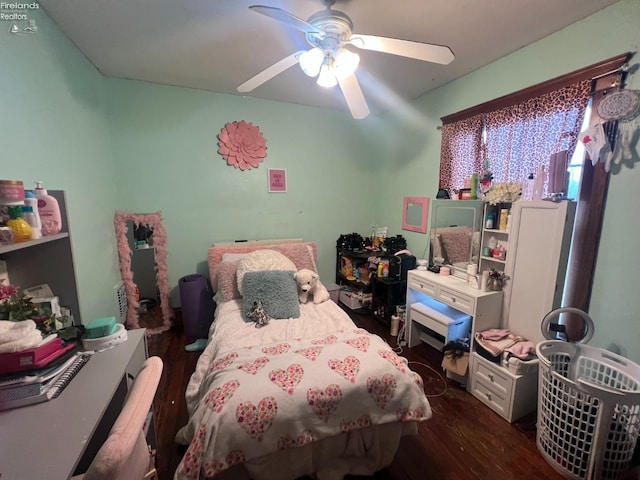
column 19, row 226
column 30, row 218
column 538, row 185
column 504, row 218
column 49, row 211
column 31, row 201
column 527, row 188
column 490, row 221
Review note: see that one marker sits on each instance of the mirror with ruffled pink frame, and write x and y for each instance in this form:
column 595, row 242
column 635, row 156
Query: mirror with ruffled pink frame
column 154, row 222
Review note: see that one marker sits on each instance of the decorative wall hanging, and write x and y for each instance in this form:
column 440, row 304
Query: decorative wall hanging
column 154, row 221
column 619, row 105
column 242, row 145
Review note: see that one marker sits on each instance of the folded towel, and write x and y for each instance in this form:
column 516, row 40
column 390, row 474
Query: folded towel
column 494, row 334
column 12, row 331
column 523, row 350
column 31, row 340
column 6, row 325
column 496, row 347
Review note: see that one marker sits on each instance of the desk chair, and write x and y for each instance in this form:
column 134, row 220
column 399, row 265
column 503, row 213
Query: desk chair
column 125, row 455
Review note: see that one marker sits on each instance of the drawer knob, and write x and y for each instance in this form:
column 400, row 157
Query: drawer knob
column 453, row 300
column 421, row 286
column 490, row 375
column 488, row 396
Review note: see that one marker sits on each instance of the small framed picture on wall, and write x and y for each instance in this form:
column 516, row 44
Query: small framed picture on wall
column 277, row 180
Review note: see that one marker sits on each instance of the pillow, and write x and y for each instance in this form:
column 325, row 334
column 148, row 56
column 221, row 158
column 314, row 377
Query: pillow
column 262, row 260
column 302, row 254
column 227, row 288
column 233, row 257
column 276, row 289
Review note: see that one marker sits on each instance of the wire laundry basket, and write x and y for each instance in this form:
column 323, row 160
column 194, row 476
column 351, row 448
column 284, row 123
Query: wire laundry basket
column 588, row 407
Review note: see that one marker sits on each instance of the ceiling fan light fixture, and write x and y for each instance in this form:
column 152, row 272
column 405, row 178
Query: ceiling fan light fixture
column 311, row 61
column 345, row 63
column 327, row 77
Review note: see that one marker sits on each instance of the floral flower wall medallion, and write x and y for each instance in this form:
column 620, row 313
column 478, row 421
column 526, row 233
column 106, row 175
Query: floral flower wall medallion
column 242, row 145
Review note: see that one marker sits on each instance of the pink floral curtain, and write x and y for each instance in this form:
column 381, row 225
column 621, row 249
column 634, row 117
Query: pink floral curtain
column 460, row 153
column 518, row 138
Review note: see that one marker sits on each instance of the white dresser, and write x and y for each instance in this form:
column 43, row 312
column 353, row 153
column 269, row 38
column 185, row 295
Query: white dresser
column 511, row 396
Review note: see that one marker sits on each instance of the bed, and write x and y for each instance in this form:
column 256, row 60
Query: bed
column 309, row 394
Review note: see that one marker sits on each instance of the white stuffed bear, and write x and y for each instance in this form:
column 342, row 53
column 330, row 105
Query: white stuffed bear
column 309, row 285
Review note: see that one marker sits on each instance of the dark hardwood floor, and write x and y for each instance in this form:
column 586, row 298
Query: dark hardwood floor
column 463, row 440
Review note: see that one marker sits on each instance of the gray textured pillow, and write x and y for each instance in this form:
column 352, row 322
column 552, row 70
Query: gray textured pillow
column 276, row 289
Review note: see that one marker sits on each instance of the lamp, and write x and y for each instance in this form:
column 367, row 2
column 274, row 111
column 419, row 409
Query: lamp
column 327, row 77
column 329, row 65
column 311, row 61
column 345, row 63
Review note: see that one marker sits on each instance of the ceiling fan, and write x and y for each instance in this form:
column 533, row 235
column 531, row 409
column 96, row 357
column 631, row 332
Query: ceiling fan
column 328, row 32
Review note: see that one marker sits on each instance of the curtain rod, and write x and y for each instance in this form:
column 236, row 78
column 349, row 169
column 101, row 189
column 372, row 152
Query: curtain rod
column 624, row 68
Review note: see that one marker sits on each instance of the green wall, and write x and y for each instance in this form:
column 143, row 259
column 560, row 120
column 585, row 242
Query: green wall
column 118, row 144
column 615, row 302
column 54, row 128
column 165, row 153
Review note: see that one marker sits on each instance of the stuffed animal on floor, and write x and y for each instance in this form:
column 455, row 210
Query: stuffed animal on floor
column 309, row 286
column 258, row 315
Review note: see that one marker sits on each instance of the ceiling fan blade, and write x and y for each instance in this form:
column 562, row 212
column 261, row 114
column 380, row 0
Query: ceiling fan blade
column 270, row 72
column 422, row 51
column 287, row 18
column 354, row 97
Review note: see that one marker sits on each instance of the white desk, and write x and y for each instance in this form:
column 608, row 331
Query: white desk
column 48, row 440
column 483, row 307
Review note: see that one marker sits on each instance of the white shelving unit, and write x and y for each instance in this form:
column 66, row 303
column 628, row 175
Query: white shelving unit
column 537, row 243
column 487, row 262
column 46, row 260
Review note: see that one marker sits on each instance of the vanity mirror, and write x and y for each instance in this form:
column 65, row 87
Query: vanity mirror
column 414, row 214
column 454, row 237
column 144, row 227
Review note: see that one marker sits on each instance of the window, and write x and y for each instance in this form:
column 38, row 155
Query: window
column 514, row 140
column 496, row 129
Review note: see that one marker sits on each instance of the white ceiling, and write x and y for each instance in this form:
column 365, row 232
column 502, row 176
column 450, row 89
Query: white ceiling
column 216, row 45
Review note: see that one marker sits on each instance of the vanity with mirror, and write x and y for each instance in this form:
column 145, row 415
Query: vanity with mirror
column 454, row 236
column 539, row 235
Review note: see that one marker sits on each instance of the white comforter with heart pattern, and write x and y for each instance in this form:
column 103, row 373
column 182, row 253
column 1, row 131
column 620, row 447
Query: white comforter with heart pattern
column 256, row 400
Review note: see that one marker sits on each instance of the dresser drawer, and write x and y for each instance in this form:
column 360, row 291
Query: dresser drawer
column 492, row 376
column 488, row 395
column 422, row 286
column 456, row 300
column 431, row 323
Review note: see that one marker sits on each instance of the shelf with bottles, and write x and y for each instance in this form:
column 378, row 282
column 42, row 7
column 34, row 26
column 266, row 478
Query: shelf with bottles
column 10, row 247
column 495, row 237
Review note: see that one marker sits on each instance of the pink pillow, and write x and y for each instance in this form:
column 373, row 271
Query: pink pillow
column 227, row 288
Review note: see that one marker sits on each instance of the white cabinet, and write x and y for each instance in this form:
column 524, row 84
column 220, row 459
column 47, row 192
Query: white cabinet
column 509, row 395
column 537, row 243
column 46, row 260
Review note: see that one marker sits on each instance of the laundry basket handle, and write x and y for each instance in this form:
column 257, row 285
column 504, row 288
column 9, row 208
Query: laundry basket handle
column 588, row 323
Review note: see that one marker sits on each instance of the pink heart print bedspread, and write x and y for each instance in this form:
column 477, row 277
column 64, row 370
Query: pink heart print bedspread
column 258, row 400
